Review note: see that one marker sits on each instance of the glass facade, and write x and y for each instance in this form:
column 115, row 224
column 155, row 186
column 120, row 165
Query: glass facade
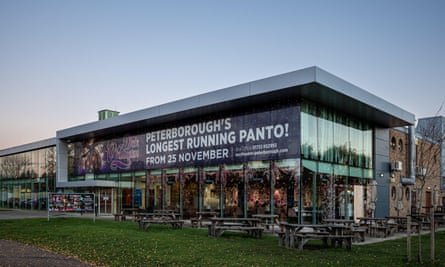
column 302, row 162
column 337, row 164
column 258, row 173
column 26, row 178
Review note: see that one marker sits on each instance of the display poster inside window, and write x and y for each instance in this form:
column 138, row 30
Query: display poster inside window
column 71, row 204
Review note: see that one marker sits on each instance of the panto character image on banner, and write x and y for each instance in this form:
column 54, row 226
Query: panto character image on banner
column 91, row 157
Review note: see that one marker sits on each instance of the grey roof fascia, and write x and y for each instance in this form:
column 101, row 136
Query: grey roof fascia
column 287, row 83
column 265, row 85
column 350, row 90
column 29, row 147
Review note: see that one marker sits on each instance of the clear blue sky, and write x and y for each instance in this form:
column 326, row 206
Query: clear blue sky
column 62, row 61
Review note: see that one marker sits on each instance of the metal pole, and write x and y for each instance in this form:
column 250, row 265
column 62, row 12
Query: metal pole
column 432, row 239
column 408, row 238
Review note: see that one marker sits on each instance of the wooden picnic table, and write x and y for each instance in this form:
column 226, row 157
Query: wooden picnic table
column 202, row 216
column 439, row 218
column 164, row 211
column 339, row 233
column 339, row 221
column 336, row 233
column 145, row 219
column 249, row 225
column 400, row 221
column 378, row 227
column 122, row 215
column 267, row 220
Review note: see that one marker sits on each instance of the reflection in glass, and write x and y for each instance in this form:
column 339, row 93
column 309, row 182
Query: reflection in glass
column 172, row 190
column 155, row 190
column 190, row 195
column 211, row 189
column 258, row 193
column 25, row 178
column 233, row 192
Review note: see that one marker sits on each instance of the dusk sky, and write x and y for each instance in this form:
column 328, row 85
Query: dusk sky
column 62, row 61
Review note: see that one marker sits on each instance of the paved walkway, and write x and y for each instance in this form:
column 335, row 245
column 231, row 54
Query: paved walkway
column 13, row 253
column 21, row 214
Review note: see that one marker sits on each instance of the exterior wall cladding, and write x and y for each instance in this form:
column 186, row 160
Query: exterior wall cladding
column 284, row 182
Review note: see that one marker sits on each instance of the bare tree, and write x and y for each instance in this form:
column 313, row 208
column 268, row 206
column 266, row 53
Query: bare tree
column 14, row 166
column 428, row 156
column 49, row 166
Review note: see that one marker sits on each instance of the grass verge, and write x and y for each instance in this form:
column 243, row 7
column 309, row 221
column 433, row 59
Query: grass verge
column 110, row 243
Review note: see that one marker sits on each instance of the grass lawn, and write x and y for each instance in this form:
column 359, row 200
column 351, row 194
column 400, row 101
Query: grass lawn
column 110, row 243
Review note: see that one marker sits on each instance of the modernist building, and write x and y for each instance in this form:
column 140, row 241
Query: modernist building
column 305, row 145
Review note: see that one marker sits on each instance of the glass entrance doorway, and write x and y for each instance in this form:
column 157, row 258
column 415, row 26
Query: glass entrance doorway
column 105, row 205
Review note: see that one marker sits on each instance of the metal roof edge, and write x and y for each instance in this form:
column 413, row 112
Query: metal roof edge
column 256, row 87
column 346, row 88
column 29, row 147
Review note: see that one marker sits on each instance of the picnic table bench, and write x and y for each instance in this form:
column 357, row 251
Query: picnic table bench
column 267, row 220
column 122, row 215
column 249, row 225
column 302, row 233
column 439, row 219
column 381, row 227
column 145, row 223
column 201, row 217
column 145, row 219
column 359, row 234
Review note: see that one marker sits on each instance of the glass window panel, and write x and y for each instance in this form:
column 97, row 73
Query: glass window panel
column 172, row 171
column 233, row 192
column 355, row 172
column 341, row 142
column 325, row 168
column 234, row 167
column 288, row 163
column 326, row 135
column 190, row 170
column 190, row 195
column 367, row 149
column 211, row 188
column 258, row 164
column 258, row 189
column 356, row 140
column 368, row 173
column 309, row 147
column 172, row 195
column 341, row 170
column 309, row 164
column 155, row 190
column 155, row 172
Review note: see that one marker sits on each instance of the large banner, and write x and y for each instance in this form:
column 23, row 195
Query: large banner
column 268, row 135
column 259, row 136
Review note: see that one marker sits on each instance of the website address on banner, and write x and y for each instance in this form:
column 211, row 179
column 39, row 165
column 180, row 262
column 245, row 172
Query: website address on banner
column 262, row 152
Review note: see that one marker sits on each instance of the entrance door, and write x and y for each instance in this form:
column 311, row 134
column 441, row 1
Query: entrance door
column 105, row 202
